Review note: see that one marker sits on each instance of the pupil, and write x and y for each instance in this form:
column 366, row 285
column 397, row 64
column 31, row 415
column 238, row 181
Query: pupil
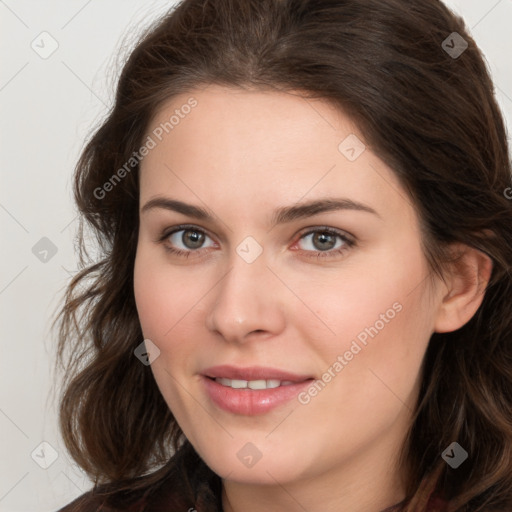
column 324, row 238
column 193, row 240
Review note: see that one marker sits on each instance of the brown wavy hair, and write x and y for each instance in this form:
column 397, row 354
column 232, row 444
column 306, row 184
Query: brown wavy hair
column 429, row 115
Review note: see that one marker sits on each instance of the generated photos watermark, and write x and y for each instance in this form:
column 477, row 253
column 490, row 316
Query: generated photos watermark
column 150, row 143
column 318, row 385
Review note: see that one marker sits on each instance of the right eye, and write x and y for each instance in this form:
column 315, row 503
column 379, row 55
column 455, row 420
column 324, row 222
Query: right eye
column 184, row 240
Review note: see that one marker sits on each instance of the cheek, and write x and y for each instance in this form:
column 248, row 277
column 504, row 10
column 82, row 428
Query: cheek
column 151, row 299
column 366, row 298
column 162, row 306
column 380, row 320
column 168, row 304
column 161, row 294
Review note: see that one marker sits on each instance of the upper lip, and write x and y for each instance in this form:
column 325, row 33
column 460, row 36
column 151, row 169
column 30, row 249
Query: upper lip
column 253, row 373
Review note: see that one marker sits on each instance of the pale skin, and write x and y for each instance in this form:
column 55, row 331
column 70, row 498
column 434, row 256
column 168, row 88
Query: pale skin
column 240, row 155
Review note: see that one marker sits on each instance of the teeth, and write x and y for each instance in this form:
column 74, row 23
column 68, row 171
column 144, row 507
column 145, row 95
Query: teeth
column 257, row 384
column 252, row 384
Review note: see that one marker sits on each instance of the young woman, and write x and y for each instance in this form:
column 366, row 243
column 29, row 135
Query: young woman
column 303, row 296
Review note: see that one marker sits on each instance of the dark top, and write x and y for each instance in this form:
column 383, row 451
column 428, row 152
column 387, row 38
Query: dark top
column 90, row 503
column 171, row 493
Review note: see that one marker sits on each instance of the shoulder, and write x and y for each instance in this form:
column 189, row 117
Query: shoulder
column 171, row 488
column 166, row 495
column 436, row 504
column 87, row 502
column 92, row 502
column 440, row 504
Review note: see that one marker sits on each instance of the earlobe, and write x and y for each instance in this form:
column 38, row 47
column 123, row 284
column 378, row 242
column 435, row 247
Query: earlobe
column 464, row 290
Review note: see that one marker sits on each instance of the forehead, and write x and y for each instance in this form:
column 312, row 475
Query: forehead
column 275, row 146
column 248, row 119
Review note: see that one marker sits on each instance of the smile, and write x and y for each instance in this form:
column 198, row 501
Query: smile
column 252, row 384
column 253, row 397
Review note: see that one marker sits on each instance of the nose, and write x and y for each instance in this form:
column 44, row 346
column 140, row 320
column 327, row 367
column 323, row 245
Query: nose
column 249, row 302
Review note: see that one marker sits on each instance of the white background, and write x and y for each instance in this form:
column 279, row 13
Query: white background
column 48, row 107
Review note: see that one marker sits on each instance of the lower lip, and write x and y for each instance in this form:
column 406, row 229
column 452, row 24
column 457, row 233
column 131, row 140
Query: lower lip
column 251, row 401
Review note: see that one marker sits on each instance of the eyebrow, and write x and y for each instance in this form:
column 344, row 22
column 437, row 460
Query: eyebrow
column 280, row 215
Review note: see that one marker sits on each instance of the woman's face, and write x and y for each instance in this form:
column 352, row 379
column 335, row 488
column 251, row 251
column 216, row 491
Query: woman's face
column 308, row 262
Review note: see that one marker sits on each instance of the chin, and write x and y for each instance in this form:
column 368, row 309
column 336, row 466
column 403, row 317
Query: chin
column 271, row 467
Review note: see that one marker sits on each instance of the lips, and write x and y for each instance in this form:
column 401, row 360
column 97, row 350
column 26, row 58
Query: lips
column 233, row 390
column 253, row 373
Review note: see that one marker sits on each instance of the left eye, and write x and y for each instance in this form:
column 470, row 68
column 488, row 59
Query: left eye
column 324, row 240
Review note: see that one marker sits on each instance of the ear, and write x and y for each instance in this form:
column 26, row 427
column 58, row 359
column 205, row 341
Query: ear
column 463, row 289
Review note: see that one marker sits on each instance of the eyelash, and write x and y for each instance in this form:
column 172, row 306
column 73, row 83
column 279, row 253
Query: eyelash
column 348, row 243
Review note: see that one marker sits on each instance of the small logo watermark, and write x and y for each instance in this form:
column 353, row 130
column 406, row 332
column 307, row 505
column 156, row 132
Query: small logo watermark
column 249, row 455
column 45, row 45
column 44, row 250
column 147, row 352
column 249, row 249
column 352, row 147
column 455, row 45
column 44, row 455
column 454, row 455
